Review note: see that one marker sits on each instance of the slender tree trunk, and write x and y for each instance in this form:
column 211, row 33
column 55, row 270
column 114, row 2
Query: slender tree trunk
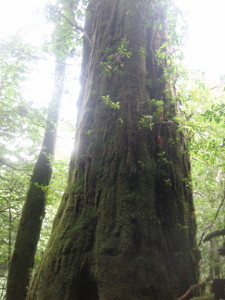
column 126, row 226
column 217, row 262
column 34, row 208
column 211, row 260
column 10, row 233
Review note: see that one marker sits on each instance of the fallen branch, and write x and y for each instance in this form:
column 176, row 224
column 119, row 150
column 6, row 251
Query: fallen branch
column 193, row 287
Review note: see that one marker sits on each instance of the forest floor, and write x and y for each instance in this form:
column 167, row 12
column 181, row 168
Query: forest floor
column 206, row 297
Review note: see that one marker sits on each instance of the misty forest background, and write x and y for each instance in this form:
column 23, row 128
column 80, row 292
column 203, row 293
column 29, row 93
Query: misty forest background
column 23, row 122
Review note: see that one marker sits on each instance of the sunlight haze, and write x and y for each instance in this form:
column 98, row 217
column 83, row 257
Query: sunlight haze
column 205, row 20
column 204, row 47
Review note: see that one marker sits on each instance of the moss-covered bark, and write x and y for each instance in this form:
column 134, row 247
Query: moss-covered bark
column 126, row 227
column 34, row 207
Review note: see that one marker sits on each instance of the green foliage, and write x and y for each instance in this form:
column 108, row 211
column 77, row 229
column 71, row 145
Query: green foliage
column 20, row 136
column 115, row 61
column 107, row 101
column 203, row 119
column 146, row 121
column 142, row 52
column 157, row 107
column 120, row 120
column 107, row 67
column 67, row 18
column 156, row 103
column 22, row 126
column 215, row 113
column 122, row 49
column 88, row 132
column 206, row 297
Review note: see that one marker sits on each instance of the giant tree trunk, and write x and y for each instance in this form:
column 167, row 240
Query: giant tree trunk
column 34, row 208
column 125, row 228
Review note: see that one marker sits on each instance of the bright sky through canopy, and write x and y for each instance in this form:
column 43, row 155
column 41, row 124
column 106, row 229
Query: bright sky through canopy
column 205, row 21
column 26, row 18
column 204, row 48
column 16, row 14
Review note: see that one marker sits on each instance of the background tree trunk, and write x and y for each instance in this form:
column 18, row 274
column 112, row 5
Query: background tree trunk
column 126, row 226
column 34, row 208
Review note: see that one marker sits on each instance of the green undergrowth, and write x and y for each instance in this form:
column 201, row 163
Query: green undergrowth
column 205, row 297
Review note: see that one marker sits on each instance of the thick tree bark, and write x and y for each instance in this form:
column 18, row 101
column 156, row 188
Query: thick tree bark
column 125, row 228
column 34, row 208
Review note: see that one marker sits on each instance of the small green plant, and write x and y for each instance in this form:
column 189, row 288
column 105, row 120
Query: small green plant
column 141, row 164
column 171, row 141
column 158, row 106
column 88, row 132
column 157, row 103
column 107, row 67
column 184, row 227
column 177, row 119
column 146, row 121
column 122, row 49
column 107, row 101
column 168, row 182
column 142, row 52
column 162, row 157
column 161, row 154
column 115, row 61
column 44, row 188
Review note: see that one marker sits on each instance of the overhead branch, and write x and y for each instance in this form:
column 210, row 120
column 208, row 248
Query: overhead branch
column 9, row 165
column 75, row 26
column 216, row 215
column 214, row 234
